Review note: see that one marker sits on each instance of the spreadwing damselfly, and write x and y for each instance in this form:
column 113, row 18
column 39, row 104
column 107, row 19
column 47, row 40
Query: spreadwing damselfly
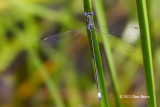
column 56, row 40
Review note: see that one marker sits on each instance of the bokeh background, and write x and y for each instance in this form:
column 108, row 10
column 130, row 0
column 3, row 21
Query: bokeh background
column 35, row 74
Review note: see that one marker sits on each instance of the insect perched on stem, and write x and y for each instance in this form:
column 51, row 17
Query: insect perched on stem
column 58, row 39
column 90, row 27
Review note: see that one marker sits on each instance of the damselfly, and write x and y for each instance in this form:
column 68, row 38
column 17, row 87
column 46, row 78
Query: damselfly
column 90, row 27
column 58, row 39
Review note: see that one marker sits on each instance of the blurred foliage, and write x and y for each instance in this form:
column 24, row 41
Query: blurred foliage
column 30, row 75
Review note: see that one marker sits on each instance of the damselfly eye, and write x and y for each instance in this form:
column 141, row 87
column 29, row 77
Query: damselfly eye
column 92, row 13
column 85, row 14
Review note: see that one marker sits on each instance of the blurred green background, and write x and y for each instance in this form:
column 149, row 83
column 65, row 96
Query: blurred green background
column 33, row 74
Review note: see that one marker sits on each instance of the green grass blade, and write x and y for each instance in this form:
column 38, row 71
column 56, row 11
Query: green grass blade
column 102, row 22
column 104, row 100
column 146, row 50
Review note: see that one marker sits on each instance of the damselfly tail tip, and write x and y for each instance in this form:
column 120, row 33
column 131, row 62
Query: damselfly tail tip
column 99, row 96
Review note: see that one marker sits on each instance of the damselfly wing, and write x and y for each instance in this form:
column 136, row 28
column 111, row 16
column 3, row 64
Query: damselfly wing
column 58, row 41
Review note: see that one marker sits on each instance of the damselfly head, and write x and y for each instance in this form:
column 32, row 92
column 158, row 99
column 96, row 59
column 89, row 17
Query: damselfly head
column 91, row 13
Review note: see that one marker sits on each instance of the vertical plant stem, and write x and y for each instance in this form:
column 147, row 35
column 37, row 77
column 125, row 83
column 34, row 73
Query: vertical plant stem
column 104, row 100
column 153, row 43
column 102, row 22
column 146, row 50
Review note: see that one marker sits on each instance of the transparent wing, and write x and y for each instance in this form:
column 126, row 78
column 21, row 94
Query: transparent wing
column 114, row 37
column 59, row 41
column 56, row 40
column 60, row 53
column 118, row 30
column 55, row 44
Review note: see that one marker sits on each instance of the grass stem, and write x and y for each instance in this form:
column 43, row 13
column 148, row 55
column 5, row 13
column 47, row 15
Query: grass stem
column 102, row 22
column 146, row 50
column 104, row 100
